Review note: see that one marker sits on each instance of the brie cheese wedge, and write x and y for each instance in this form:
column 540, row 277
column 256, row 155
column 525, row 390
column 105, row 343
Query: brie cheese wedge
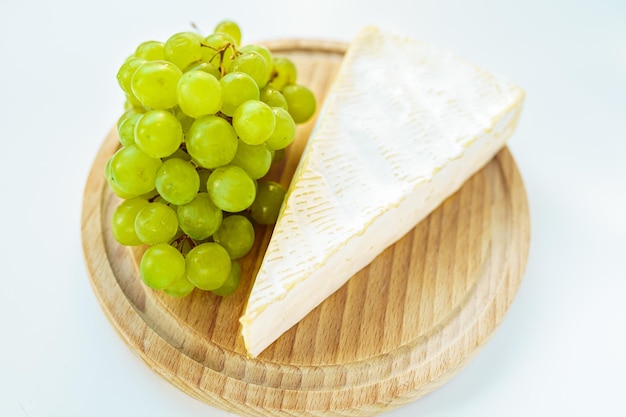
column 404, row 125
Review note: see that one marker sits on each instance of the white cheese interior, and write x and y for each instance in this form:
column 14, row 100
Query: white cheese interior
column 403, row 127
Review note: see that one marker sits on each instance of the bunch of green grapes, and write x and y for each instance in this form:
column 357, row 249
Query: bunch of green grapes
column 205, row 119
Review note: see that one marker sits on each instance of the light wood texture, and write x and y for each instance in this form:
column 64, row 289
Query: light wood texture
column 400, row 328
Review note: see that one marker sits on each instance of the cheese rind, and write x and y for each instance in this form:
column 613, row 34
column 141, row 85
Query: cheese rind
column 403, row 127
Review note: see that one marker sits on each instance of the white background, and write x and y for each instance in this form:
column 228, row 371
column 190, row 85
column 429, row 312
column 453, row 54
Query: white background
column 561, row 350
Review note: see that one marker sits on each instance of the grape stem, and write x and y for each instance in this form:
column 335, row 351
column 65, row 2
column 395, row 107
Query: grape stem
column 221, row 51
column 196, row 28
column 229, row 119
column 180, row 242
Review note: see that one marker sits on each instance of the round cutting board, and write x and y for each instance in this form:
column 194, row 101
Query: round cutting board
column 398, row 329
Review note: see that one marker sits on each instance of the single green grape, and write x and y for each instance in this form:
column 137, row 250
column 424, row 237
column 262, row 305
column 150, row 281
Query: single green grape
column 132, row 171
column 300, row 101
column 211, row 142
column 123, row 221
column 114, row 187
column 208, row 266
column 177, row 181
column 218, row 49
column 158, row 133
column 151, row 50
column 261, row 50
column 284, row 132
column 230, row 28
column 232, row 281
column 254, row 122
column 273, row 98
column 199, row 94
column 253, row 64
column 256, row 160
column 199, row 218
column 231, row 188
column 154, row 84
column 268, row 201
column 183, row 49
column 162, row 266
column 126, row 128
column 236, row 235
column 156, row 223
column 284, row 73
column 237, row 88
column 126, row 72
column 180, row 288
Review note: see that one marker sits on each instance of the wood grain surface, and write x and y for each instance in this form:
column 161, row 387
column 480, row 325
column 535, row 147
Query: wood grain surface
column 397, row 330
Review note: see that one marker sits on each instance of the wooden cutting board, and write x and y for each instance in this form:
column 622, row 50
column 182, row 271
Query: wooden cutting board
column 397, row 330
